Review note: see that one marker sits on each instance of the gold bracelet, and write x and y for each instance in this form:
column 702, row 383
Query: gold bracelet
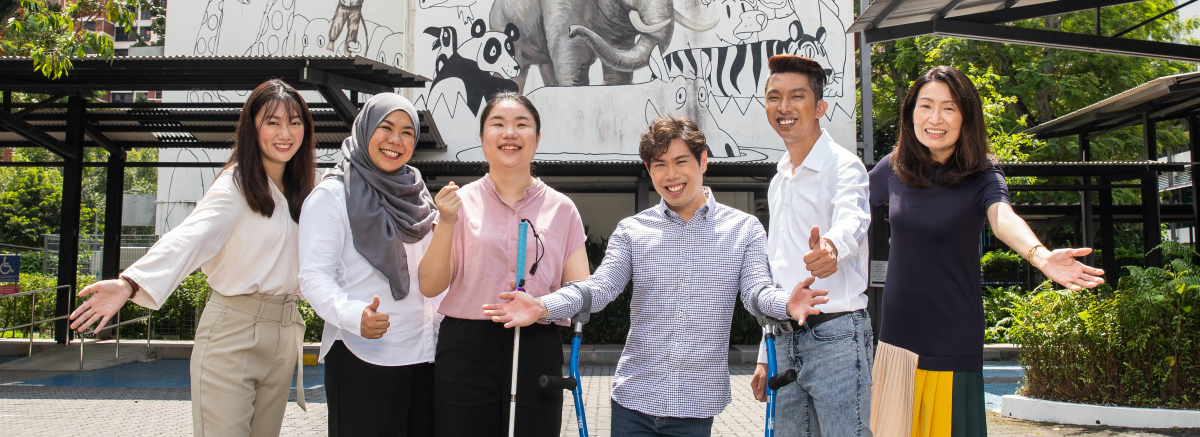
column 1029, row 256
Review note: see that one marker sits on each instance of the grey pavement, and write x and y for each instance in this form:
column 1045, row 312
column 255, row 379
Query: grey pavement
column 152, row 399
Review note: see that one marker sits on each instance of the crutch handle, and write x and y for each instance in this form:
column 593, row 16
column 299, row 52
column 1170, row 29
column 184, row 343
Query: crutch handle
column 557, row 382
column 585, row 307
column 778, row 381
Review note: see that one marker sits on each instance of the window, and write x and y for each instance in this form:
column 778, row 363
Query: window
column 145, row 14
column 120, row 52
column 124, row 36
column 89, row 26
column 145, row 31
column 121, row 97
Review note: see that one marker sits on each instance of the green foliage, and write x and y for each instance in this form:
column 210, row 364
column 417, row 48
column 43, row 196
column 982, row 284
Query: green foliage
column 15, row 310
column 31, row 198
column 53, row 34
column 1136, row 346
column 997, row 307
column 1001, row 266
column 29, row 205
column 1039, row 84
column 179, row 315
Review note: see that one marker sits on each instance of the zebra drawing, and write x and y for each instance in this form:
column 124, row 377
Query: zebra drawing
column 740, row 71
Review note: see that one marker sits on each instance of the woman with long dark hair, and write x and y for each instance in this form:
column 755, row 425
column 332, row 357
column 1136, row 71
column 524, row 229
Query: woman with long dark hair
column 474, row 252
column 362, row 235
column 242, row 234
column 943, row 185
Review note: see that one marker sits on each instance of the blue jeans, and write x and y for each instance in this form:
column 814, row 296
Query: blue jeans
column 832, row 394
column 626, row 423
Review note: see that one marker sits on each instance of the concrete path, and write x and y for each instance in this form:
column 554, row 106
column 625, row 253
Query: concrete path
column 152, row 398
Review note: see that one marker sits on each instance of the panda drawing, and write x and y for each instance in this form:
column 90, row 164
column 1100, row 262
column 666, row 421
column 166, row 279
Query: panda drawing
column 476, row 61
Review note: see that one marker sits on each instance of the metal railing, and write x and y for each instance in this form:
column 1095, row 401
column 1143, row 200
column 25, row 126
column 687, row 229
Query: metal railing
column 33, row 322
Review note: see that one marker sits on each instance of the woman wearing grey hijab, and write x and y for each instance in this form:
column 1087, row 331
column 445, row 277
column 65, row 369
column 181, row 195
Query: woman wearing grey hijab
column 362, row 233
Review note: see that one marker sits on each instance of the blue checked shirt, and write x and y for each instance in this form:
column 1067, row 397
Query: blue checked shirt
column 686, row 277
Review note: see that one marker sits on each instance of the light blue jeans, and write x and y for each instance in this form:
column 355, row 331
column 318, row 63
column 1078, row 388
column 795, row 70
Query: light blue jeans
column 832, row 394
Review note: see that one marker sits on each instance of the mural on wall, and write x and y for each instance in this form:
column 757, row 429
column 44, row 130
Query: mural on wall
column 373, row 29
column 598, row 70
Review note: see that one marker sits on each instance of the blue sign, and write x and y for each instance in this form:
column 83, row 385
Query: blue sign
column 10, row 268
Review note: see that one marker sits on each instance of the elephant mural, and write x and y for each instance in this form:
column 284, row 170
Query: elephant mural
column 565, row 37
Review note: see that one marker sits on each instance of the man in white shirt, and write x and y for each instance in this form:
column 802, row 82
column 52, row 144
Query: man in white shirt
column 819, row 219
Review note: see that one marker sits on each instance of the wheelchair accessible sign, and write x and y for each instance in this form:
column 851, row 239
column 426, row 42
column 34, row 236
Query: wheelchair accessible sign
column 10, row 269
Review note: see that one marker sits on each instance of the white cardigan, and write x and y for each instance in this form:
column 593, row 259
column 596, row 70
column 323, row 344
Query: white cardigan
column 339, row 283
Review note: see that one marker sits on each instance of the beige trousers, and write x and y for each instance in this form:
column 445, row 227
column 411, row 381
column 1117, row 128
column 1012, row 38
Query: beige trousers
column 247, row 348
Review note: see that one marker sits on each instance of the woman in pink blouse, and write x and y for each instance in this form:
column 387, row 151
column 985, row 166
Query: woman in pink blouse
column 474, row 252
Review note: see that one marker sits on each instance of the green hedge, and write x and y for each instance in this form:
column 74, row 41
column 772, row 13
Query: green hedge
column 1136, row 346
column 177, row 317
column 1002, row 266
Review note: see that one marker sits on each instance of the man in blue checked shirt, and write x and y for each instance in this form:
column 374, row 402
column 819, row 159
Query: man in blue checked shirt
column 688, row 257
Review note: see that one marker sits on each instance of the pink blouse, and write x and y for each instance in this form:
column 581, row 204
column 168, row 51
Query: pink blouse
column 485, row 245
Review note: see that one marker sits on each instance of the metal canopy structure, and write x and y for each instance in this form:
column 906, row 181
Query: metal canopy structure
column 983, row 20
column 1163, row 99
column 165, row 126
column 327, row 74
column 66, row 123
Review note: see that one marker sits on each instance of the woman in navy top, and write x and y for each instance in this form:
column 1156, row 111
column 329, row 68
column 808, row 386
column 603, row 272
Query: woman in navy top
column 942, row 185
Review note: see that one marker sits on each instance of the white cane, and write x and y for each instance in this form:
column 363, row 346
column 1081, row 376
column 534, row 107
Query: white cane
column 512, row 402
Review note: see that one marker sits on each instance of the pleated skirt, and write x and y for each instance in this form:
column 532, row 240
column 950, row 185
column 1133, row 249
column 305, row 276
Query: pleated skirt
column 912, row 402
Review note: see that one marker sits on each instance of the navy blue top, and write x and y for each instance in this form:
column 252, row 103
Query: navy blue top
column 932, row 300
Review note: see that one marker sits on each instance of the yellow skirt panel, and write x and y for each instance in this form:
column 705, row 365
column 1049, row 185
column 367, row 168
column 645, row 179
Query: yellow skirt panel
column 933, row 400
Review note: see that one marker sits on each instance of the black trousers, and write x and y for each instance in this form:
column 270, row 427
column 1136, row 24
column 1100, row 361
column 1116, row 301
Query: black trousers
column 370, row 400
column 474, row 378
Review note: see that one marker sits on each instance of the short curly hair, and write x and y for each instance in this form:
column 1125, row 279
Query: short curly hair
column 658, row 136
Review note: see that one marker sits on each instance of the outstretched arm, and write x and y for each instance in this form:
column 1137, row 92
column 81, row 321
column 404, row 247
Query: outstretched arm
column 1058, row 265
column 606, row 284
column 179, row 253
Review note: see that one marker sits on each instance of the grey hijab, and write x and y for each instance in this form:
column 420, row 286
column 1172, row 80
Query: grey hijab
column 386, row 210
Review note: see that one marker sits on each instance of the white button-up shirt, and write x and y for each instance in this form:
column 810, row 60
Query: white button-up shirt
column 240, row 250
column 828, row 190
column 339, row 283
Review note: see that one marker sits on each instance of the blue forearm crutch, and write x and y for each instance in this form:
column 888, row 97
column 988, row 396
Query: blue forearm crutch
column 574, row 382
column 774, row 381
column 522, row 229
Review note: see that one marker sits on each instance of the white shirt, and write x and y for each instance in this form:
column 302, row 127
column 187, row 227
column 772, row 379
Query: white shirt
column 240, row 250
column 827, row 190
column 339, row 283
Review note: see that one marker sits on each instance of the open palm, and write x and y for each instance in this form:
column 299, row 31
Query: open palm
column 1062, row 267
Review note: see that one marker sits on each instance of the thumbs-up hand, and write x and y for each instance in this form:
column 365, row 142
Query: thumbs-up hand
column 821, row 259
column 374, row 323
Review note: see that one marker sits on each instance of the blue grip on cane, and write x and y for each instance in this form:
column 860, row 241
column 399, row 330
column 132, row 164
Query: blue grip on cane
column 522, row 229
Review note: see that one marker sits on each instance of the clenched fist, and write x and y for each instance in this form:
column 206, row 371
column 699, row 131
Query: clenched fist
column 448, row 204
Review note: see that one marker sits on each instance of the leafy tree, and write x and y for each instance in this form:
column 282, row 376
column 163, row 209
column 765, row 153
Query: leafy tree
column 29, row 205
column 1046, row 83
column 52, row 34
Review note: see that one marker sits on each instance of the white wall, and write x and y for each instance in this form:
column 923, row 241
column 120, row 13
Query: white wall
column 599, row 121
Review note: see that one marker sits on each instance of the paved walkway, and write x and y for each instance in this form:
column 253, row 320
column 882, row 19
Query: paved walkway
column 152, row 399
